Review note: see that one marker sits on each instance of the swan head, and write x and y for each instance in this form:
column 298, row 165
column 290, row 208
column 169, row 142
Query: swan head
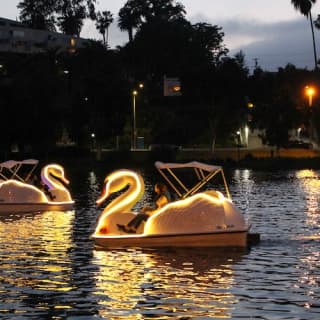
column 119, row 180
column 56, row 171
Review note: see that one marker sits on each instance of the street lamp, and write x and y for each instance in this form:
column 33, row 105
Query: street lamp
column 310, row 92
column 134, row 139
column 134, row 135
column 93, row 137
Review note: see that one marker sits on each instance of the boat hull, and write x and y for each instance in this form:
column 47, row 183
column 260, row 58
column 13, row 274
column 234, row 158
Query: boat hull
column 221, row 239
column 7, row 208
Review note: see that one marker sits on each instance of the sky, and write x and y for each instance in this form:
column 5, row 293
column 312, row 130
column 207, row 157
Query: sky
column 271, row 33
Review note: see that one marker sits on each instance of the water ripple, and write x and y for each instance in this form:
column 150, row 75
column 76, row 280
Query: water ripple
column 50, row 268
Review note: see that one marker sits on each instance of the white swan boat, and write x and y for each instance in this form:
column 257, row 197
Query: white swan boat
column 19, row 195
column 196, row 219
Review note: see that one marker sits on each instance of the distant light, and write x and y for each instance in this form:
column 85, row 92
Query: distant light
column 238, row 133
column 93, row 135
column 73, row 42
column 66, row 71
column 250, row 105
column 310, row 91
column 86, row 99
column 176, row 88
column 141, row 85
column 1, row 66
column 134, row 92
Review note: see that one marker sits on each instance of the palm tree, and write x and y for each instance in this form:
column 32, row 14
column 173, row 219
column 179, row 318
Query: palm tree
column 37, row 14
column 104, row 20
column 72, row 13
column 317, row 22
column 168, row 10
column 304, row 6
column 129, row 18
column 136, row 12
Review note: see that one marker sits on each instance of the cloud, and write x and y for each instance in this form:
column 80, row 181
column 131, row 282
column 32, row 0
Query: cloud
column 272, row 45
column 276, row 45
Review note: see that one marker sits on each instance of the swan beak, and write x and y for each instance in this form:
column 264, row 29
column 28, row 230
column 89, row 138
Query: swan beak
column 66, row 181
column 104, row 195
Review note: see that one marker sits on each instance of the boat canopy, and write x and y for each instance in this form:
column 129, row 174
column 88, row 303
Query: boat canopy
column 203, row 172
column 19, row 170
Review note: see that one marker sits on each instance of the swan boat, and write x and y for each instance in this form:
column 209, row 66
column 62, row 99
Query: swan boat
column 196, row 219
column 19, row 195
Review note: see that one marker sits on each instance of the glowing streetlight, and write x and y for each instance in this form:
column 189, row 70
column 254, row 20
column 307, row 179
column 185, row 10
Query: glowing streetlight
column 250, row 105
column 93, row 137
column 134, row 139
column 134, row 94
column 310, row 92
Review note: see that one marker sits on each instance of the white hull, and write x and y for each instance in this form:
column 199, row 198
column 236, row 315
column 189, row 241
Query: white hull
column 217, row 239
column 34, row 207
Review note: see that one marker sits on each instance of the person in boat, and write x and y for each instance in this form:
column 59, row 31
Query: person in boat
column 161, row 199
column 34, row 180
column 46, row 191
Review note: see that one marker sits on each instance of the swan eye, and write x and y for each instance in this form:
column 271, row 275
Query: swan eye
column 60, row 177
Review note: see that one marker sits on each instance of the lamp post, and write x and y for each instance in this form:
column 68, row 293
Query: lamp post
column 238, row 137
column 93, row 137
column 134, row 133
column 310, row 92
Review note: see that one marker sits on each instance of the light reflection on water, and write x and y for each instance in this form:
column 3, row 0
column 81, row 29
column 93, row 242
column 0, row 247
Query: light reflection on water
column 50, row 269
column 166, row 283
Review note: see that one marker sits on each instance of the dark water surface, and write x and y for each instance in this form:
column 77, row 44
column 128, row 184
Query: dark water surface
column 50, row 268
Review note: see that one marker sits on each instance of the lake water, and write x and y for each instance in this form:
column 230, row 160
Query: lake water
column 50, row 268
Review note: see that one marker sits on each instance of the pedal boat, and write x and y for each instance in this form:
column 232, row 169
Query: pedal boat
column 19, row 195
column 196, row 219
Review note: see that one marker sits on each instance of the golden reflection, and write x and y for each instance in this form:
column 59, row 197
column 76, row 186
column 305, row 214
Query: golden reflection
column 170, row 283
column 310, row 184
column 39, row 244
column 306, row 173
column 309, row 279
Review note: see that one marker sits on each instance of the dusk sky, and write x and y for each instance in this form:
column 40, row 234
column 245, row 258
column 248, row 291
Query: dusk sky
column 272, row 32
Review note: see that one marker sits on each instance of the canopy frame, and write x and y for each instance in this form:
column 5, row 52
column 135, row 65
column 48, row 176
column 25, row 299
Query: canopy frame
column 203, row 172
column 12, row 169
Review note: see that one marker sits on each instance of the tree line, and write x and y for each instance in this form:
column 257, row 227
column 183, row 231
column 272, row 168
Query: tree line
column 53, row 95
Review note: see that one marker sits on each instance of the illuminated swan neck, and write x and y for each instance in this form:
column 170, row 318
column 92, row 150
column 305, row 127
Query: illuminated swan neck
column 48, row 175
column 118, row 181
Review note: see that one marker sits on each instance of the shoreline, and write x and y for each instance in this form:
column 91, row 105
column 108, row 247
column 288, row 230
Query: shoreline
column 265, row 158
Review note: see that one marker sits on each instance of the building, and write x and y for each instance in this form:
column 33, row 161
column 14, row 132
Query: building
column 15, row 37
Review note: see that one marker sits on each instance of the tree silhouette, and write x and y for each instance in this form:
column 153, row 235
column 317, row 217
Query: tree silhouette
column 137, row 12
column 104, row 19
column 304, row 6
column 37, row 14
column 129, row 18
column 71, row 14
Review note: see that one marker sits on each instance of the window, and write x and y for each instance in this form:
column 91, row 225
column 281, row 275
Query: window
column 18, row 34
